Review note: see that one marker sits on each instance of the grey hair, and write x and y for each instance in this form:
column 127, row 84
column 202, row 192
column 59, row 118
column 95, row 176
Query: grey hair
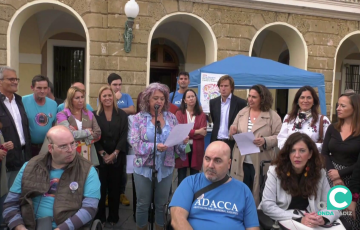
column 3, row 68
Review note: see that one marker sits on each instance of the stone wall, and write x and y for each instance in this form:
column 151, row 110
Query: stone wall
column 234, row 29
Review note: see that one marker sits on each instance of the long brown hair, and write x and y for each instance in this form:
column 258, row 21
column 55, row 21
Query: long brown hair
column 314, row 109
column 266, row 98
column 355, row 123
column 197, row 110
column 308, row 185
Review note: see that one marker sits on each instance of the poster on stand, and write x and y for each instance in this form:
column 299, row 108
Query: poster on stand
column 209, row 89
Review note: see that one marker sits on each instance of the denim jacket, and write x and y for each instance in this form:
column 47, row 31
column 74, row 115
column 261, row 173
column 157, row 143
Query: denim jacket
column 143, row 148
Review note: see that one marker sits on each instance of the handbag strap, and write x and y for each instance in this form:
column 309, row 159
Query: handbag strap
column 210, row 187
column 321, row 129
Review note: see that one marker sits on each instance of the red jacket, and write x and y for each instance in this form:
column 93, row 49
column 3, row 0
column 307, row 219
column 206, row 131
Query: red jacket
column 198, row 141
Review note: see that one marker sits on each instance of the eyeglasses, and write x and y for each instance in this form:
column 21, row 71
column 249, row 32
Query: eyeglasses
column 72, row 145
column 12, row 80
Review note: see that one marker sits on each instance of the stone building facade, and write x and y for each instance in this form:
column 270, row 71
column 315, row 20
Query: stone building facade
column 196, row 33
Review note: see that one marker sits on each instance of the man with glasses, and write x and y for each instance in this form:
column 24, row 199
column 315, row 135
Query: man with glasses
column 41, row 112
column 15, row 125
column 60, row 185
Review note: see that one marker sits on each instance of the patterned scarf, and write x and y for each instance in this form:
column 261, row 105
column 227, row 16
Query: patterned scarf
column 301, row 118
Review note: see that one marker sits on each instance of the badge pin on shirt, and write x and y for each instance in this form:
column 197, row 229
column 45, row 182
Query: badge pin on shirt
column 73, row 186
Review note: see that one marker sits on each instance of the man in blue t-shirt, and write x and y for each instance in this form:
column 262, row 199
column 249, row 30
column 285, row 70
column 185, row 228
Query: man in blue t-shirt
column 184, row 81
column 80, row 86
column 40, row 110
column 228, row 206
column 79, row 175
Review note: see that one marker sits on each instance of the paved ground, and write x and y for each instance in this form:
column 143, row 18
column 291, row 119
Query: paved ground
column 126, row 221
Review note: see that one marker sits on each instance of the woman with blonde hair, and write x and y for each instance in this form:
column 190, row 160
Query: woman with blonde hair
column 111, row 149
column 81, row 123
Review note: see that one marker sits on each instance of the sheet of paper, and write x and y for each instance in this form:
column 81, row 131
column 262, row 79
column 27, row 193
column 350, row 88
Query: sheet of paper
column 130, row 164
column 245, row 143
column 293, row 224
column 178, row 134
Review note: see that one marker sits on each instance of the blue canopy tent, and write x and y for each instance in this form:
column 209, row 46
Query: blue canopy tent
column 249, row 71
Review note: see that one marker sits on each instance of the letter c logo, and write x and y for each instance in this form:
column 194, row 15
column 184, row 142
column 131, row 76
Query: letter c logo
column 345, row 197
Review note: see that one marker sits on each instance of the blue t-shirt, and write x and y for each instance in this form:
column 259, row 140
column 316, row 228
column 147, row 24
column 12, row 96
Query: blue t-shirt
column 41, row 118
column 61, row 107
column 125, row 101
column 229, row 206
column 178, row 97
column 91, row 190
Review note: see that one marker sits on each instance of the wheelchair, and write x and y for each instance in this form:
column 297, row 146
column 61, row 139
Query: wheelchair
column 92, row 225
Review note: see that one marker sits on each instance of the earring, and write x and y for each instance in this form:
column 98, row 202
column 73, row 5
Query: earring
column 288, row 174
column 185, row 106
column 307, row 169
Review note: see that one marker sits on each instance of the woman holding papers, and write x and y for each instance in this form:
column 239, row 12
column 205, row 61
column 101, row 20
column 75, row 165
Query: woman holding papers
column 190, row 112
column 155, row 98
column 259, row 118
column 304, row 117
column 296, row 185
column 111, row 149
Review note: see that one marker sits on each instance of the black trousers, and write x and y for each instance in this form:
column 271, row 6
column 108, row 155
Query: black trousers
column 249, row 174
column 182, row 171
column 110, row 178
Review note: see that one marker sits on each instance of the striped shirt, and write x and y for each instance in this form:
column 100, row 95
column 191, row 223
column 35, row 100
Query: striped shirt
column 248, row 157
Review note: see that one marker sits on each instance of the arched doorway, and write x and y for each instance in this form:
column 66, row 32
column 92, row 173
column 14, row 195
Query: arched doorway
column 190, row 38
column 346, row 68
column 164, row 66
column 40, row 32
column 283, row 43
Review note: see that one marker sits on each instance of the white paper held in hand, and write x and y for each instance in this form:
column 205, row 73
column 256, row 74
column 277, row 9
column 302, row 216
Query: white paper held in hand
column 245, row 143
column 178, row 134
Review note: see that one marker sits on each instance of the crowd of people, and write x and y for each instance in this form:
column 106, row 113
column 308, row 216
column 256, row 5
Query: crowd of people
column 63, row 162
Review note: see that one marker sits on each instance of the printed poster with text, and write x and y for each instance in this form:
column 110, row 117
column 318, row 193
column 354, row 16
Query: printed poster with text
column 209, row 89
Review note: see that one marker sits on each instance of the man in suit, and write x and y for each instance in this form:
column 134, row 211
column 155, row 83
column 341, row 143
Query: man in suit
column 224, row 109
column 15, row 125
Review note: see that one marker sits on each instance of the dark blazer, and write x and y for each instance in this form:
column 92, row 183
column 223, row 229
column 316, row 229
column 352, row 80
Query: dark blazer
column 14, row 158
column 113, row 134
column 236, row 104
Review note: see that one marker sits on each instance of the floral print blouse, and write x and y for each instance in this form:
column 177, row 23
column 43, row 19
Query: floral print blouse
column 142, row 141
column 288, row 128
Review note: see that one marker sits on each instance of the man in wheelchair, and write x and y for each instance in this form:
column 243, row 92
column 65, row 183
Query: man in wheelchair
column 59, row 190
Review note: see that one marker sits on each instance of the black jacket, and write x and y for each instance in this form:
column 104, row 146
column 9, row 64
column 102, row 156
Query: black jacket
column 236, row 104
column 113, row 135
column 14, row 157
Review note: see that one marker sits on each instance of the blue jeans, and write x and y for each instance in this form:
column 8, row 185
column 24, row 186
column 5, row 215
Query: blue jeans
column 143, row 194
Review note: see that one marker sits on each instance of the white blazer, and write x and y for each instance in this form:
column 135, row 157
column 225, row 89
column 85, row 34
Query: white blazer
column 275, row 201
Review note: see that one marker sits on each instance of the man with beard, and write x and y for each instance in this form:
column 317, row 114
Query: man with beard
column 230, row 205
column 40, row 110
column 184, row 81
column 61, row 185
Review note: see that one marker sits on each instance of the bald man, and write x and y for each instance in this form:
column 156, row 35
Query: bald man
column 80, row 86
column 228, row 206
column 60, row 184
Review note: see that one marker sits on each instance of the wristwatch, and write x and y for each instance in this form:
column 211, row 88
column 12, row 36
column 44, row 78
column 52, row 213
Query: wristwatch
column 103, row 154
